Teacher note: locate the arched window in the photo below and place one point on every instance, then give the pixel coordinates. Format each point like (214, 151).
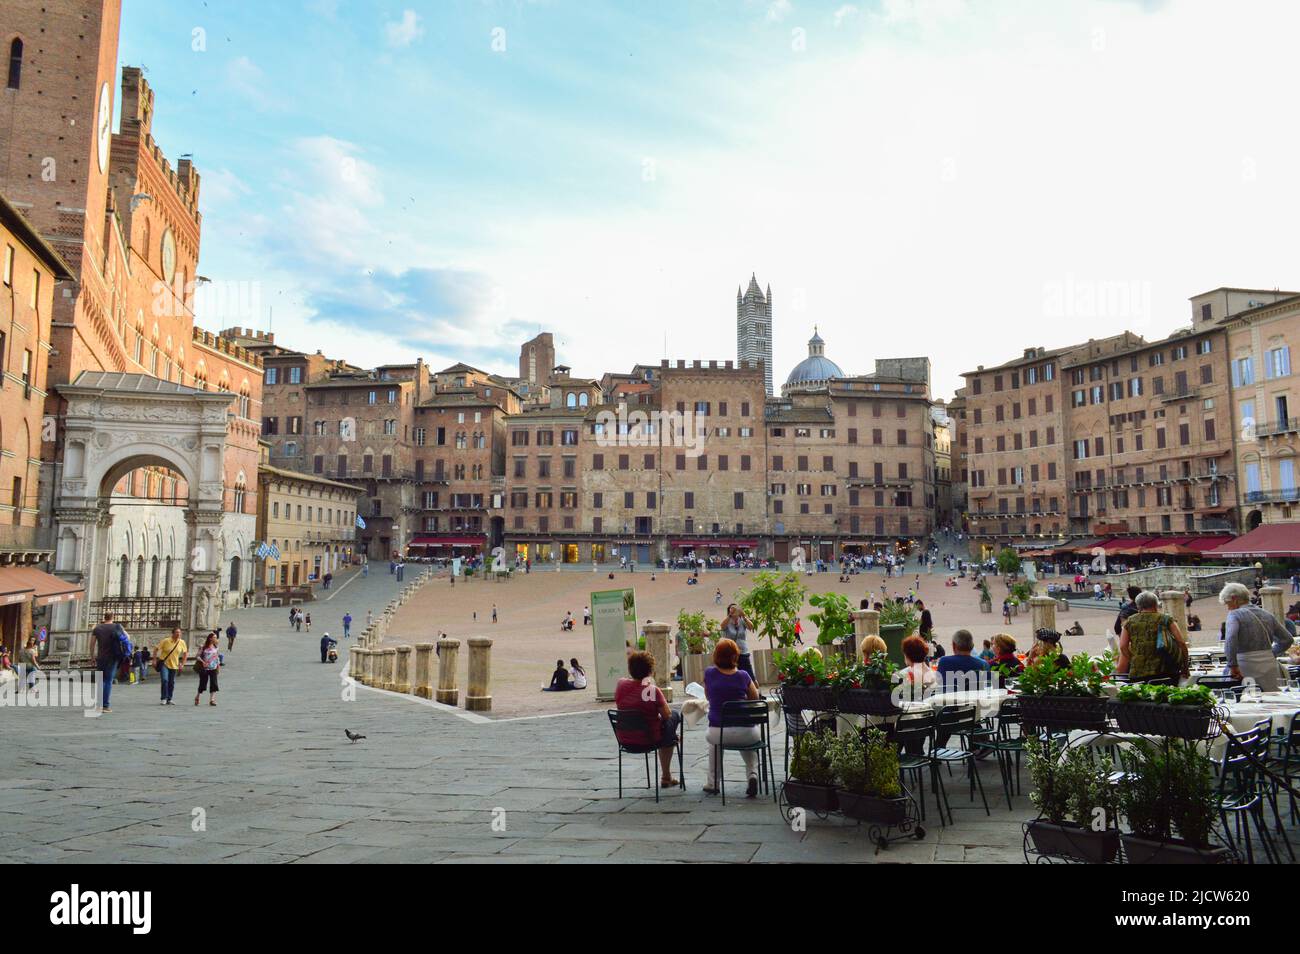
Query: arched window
(239, 493)
(15, 63)
(124, 575)
(571, 400)
(582, 399)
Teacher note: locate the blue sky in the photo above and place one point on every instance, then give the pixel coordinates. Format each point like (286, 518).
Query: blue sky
(913, 176)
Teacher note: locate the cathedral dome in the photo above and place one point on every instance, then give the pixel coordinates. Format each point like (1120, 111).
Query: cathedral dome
(816, 369)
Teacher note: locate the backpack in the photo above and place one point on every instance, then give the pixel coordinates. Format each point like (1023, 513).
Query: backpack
(125, 650)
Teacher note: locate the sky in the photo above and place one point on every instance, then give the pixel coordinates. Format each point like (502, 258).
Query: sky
(445, 179)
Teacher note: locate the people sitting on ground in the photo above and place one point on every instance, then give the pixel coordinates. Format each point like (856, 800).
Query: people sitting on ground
(987, 653)
(566, 624)
(1047, 642)
(725, 682)
(960, 660)
(871, 645)
(1193, 623)
(1004, 655)
(579, 680)
(1152, 646)
(559, 679)
(662, 723)
(692, 581)
(1075, 630)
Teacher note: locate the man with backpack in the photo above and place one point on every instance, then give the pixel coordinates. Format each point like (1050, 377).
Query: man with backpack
(110, 645)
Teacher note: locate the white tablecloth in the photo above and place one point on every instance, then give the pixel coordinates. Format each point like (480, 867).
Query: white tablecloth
(695, 710)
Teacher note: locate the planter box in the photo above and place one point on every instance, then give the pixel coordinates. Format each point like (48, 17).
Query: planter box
(986, 607)
(815, 798)
(874, 808)
(1143, 851)
(1160, 718)
(873, 702)
(1065, 712)
(810, 698)
(764, 667)
(1072, 841)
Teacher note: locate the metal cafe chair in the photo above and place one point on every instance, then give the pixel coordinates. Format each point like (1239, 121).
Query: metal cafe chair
(632, 720)
(746, 713)
(959, 721)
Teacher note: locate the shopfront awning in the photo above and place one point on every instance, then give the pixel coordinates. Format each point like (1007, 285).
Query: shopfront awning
(1205, 544)
(446, 541)
(1272, 539)
(21, 583)
(714, 544)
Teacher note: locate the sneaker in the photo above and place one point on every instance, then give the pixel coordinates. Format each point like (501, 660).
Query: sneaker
(106, 709)
(170, 703)
(162, 702)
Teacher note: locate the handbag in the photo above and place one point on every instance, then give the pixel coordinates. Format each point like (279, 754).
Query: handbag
(1169, 649)
(158, 662)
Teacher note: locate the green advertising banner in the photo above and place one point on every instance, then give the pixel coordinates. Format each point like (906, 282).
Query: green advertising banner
(613, 630)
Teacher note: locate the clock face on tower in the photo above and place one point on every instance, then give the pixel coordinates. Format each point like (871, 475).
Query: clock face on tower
(104, 122)
(168, 256)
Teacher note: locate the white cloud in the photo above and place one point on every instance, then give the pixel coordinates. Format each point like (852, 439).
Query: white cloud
(405, 31)
(846, 12)
(248, 80)
(778, 10)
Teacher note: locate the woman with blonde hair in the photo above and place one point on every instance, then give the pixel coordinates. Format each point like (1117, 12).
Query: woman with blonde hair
(872, 645)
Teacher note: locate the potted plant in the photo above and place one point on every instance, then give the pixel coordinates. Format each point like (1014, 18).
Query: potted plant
(1065, 697)
(865, 766)
(986, 598)
(772, 603)
(804, 682)
(1008, 561)
(1170, 804)
(1178, 712)
(1076, 803)
(869, 691)
(834, 619)
(897, 622)
(811, 784)
(699, 633)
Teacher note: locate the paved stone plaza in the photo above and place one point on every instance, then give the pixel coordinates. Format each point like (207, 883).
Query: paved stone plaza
(278, 781)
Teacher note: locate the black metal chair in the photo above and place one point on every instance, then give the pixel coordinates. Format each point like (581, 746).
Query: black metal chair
(959, 721)
(746, 714)
(633, 720)
(1008, 745)
(913, 732)
(1221, 684)
(1241, 796)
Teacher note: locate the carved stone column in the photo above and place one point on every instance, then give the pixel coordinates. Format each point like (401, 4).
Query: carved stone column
(478, 694)
(656, 642)
(448, 651)
(402, 678)
(1042, 613)
(424, 670)
(388, 680)
(1174, 603)
(1272, 598)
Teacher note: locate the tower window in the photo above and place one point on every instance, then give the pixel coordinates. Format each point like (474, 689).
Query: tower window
(15, 63)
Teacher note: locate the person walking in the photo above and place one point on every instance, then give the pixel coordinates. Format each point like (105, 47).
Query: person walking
(231, 633)
(104, 645)
(347, 625)
(494, 612)
(29, 662)
(736, 627)
(586, 616)
(171, 656)
(208, 665)
(307, 620)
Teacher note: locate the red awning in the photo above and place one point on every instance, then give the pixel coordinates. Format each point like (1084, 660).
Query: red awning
(1272, 539)
(1203, 544)
(446, 541)
(21, 583)
(714, 544)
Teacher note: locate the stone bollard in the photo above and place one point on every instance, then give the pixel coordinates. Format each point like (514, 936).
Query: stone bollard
(1174, 604)
(656, 643)
(865, 623)
(402, 677)
(424, 670)
(366, 672)
(478, 694)
(1271, 598)
(354, 663)
(1042, 613)
(448, 650)
(388, 672)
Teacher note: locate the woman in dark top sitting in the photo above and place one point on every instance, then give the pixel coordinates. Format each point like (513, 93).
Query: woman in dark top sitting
(724, 682)
(559, 678)
(1047, 641)
(1004, 658)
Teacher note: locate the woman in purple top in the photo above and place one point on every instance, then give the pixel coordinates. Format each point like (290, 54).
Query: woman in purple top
(723, 683)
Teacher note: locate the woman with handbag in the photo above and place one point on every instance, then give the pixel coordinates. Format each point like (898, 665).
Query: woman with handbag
(1151, 646)
(168, 661)
(207, 665)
